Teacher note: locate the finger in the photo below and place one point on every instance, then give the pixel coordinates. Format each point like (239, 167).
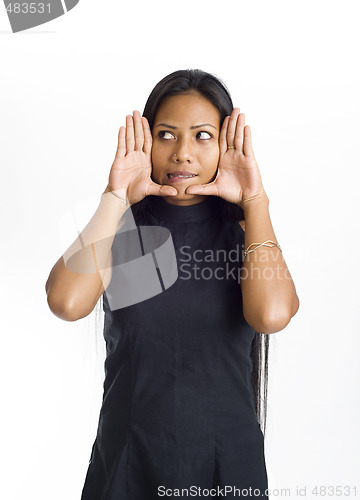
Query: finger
(248, 149)
(129, 134)
(138, 131)
(121, 149)
(232, 126)
(239, 132)
(147, 135)
(161, 190)
(222, 138)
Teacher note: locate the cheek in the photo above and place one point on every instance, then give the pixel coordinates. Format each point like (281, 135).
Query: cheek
(157, 154)
(157, 163)
(154, 156)
(210, 162)
(213, 156)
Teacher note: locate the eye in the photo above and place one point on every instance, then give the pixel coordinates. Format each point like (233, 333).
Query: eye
(209, 136)
(163, 133)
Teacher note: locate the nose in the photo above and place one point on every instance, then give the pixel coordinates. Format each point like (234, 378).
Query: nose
(183, 152)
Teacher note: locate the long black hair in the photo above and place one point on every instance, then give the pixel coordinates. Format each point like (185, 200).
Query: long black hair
(212, 88)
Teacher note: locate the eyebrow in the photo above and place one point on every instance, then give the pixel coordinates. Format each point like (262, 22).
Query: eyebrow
(191, 128)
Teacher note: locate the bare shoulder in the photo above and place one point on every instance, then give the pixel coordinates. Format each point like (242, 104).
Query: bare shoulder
(242, 224)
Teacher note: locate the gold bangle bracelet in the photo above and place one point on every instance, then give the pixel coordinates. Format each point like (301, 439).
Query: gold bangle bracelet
(247, 251)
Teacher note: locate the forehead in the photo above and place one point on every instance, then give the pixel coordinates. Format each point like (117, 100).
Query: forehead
(187, 109)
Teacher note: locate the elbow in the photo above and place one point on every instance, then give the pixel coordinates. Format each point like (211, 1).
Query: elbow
(295, 305)
(268, 324)
(273, 320)
(274, 324)
(61, 309)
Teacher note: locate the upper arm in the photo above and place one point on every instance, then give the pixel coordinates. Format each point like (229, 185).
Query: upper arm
(242, 224)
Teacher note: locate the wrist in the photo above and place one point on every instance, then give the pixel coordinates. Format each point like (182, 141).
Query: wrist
(121, 197)
(256, 201)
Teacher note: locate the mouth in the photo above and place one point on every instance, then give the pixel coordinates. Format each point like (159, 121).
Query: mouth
(179, 176)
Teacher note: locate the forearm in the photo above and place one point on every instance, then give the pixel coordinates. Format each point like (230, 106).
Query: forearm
(79, 276)
(269, 295)
(98, 235)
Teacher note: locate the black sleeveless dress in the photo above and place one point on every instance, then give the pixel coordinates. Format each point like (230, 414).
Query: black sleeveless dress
(178, 406)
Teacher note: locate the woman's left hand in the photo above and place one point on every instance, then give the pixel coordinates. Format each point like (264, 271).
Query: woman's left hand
(238, 177)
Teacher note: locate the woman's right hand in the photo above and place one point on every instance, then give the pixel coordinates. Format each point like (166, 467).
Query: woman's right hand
(130, 174)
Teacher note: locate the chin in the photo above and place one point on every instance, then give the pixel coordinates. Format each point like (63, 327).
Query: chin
(184, 196)
(185, 199)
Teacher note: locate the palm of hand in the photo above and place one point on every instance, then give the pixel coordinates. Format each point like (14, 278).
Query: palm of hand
(131, 171)
(238, 177)
(130, 175)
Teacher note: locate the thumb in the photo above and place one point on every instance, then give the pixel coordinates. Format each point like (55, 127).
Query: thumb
(161, 190)
(204, 189)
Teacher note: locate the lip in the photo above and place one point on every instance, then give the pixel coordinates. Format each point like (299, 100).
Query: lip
(179, 179)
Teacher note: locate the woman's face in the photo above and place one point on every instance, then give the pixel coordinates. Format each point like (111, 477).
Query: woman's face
(185, 140)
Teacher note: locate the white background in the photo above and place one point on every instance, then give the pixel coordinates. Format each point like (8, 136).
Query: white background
(65, 89)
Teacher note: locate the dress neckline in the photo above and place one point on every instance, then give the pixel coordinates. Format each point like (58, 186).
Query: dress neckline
(208, 208)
